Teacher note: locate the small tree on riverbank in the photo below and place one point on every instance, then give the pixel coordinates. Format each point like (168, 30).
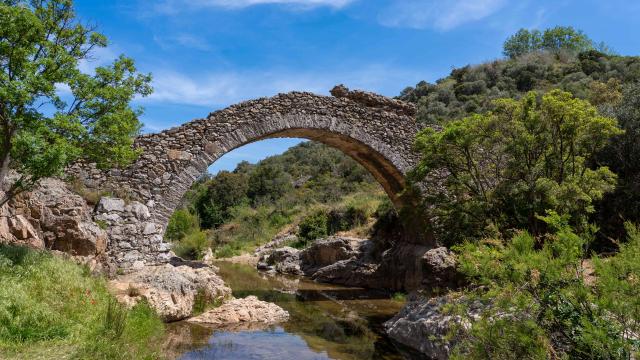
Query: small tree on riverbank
(51, 113)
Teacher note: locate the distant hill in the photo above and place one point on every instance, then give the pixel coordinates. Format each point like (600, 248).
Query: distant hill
(470, 89)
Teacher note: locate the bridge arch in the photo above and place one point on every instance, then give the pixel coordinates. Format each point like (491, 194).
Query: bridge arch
(377, 132)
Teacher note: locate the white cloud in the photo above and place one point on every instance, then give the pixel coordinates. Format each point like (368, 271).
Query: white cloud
(223, 89)
(438, 14)
(173, 6)
(100, 56)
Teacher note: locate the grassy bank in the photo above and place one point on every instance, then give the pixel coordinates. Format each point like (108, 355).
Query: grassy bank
(51, 308)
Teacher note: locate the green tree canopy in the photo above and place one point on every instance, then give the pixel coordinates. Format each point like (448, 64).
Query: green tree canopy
(526, 157)
(41, 45)
(553, 39)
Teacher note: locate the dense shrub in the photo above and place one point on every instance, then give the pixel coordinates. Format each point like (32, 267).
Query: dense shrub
(540, 304)
(193, 245)
(313, 226)
(180, 224)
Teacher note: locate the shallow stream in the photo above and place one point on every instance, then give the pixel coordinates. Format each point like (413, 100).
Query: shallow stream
(326, 322)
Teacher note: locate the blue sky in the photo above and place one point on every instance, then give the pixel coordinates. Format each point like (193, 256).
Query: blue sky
(207, 54)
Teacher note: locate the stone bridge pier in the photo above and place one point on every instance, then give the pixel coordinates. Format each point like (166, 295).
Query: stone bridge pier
(376, 131)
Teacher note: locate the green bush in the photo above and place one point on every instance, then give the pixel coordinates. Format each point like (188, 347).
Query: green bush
(180, 224)
(313, 226)
(513, 163)
(193, 245)
(539, 302)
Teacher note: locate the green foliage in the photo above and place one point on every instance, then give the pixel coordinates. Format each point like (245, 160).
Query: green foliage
(268, 183)
(313, 226)
(115, 319)
(553, 39)
(622, 156)
(224, 191)
(472, 89)
(509, 165)
(203, 302)
(41, 44)
(193, 245)
(53, 306)
(181, 223)
(539, 302)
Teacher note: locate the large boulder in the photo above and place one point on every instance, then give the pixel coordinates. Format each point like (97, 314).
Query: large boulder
(424, 324)
(324, 252)
(249, 310)
(52, 216)
(285, 260)
(439, 269)
(170, 290)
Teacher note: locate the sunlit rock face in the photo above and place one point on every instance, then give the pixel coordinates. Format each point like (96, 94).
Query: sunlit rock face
(52, 216)
(377, 132)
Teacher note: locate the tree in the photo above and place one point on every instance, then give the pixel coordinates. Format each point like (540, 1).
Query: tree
(621, 155)
(51, 113)
(526, 157)
(553, 39)
(268, 183)
(522, 42)
(224, 191)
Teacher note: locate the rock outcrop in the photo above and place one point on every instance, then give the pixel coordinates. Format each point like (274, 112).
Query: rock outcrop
(439, 269)
(324, 252)
(170, 290)
(275, 243)
(364, 263)
(285, 260)
(249, 310)
(53, 217)
(424, 325)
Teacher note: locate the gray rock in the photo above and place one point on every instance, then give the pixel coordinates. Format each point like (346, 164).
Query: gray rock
(247, 311)
(149, 229)
(108, 204)
(170, 290)
(140, 211)
(440, 269)
(424, 326)
(324, 252)
(285, 260)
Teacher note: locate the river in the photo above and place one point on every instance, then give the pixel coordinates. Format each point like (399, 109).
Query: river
(326, 322)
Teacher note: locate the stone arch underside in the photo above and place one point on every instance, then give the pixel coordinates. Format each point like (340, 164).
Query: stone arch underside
(376, 135)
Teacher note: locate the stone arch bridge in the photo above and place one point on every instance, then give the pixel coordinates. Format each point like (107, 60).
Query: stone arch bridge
(376, 131)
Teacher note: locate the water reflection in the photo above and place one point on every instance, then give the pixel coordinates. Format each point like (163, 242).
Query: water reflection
(327, 322)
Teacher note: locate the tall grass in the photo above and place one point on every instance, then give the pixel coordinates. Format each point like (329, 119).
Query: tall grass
(53, 308)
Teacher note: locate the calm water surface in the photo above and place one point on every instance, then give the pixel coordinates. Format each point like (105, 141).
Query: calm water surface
(327, 322)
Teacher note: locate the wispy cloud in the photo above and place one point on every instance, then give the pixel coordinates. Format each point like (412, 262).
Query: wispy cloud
(438, 14)
(222, 89)
(173, 6)
(184, 40)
